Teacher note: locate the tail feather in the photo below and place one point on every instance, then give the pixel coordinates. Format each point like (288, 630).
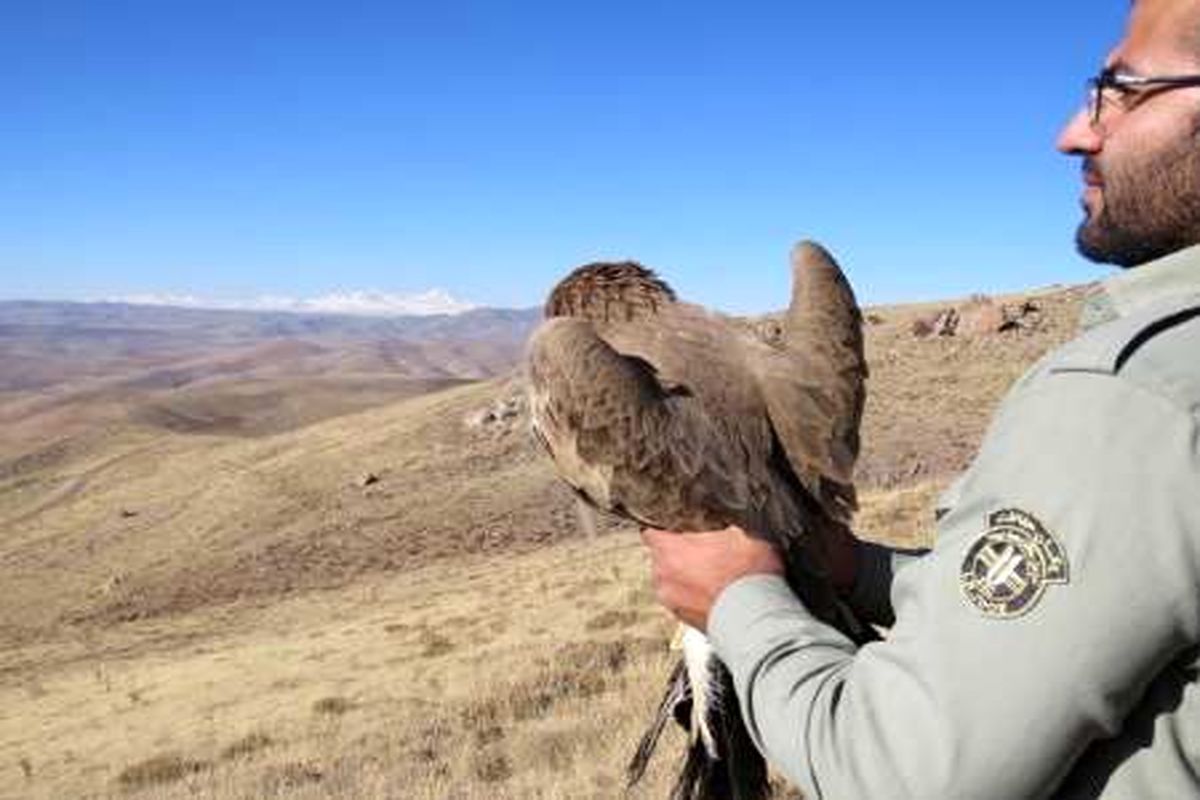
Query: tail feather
(744, 765)
(677, 696)
(738, 773)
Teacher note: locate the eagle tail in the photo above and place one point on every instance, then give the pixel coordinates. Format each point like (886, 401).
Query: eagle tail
(736, 771)
(739, 771)
(676, 700)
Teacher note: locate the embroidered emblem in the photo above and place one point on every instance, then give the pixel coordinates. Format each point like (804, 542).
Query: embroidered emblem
(1008, 568)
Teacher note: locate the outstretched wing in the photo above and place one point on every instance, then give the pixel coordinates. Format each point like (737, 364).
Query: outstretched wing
(624, 440)
(814, 389)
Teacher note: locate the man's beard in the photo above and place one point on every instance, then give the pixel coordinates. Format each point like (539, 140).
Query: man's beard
(1151, 207)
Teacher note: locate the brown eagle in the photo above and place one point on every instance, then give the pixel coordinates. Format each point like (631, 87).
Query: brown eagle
(679, 418)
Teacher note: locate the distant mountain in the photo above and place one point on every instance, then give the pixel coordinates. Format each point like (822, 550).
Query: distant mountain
(43, 344)
(235, 323)
(369, 303)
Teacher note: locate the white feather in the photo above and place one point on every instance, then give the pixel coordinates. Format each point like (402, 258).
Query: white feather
(697, 658)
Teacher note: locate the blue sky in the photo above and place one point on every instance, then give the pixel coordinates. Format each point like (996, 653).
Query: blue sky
(231, 149)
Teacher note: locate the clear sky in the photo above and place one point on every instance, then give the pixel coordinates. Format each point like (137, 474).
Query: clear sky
(231, 149)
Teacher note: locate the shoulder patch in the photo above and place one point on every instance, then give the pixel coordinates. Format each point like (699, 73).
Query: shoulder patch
(1007, 569)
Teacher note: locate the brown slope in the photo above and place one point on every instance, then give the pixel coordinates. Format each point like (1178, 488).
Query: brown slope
(266, 387)
(929, 398)
(135, 520)
(150, 522)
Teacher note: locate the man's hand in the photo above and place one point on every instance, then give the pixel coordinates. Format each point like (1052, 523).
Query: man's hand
(691, 569)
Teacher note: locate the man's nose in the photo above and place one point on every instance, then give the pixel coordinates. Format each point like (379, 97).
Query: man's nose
(1079, 136)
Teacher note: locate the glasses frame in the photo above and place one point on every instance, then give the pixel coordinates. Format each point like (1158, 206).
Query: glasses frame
(1124, 83)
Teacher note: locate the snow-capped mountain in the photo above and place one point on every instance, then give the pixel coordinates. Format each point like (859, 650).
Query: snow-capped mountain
(366, 303)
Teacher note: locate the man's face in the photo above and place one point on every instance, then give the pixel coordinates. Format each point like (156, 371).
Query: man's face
(1141, 163)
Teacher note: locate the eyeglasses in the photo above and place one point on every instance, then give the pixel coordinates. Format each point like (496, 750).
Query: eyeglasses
(1111, 87)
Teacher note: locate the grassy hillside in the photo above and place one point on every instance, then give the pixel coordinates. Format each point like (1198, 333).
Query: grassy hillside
(144, 521)
(389, 599)
(510, 676)
(523, 678)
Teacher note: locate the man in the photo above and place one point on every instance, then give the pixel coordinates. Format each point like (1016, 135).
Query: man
(1047, 645)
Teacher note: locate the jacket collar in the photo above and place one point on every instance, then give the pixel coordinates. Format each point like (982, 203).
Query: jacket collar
(1149, 284)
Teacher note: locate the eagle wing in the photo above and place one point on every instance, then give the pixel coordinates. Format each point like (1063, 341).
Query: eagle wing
(628, 439)
(814, 389)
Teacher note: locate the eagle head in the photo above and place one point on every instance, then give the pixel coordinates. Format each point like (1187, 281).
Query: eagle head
(609, 291)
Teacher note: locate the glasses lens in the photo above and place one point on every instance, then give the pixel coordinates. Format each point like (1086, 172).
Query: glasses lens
(1103, 81)
(1093, 100)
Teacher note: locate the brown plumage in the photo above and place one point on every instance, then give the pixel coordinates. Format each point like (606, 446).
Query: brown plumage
(677, 418)
(609, 292)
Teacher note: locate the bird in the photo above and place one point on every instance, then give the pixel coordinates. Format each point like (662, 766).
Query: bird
(676, 417)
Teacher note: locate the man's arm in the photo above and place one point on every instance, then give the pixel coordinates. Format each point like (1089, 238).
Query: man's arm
(1020, 638)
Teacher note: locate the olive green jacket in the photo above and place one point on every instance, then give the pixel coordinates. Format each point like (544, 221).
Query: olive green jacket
(1047, 645)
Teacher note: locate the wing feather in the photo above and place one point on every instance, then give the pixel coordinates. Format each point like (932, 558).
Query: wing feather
(814, 389)
(630, 444)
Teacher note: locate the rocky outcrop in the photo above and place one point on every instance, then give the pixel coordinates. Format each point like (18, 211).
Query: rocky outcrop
(979, 316)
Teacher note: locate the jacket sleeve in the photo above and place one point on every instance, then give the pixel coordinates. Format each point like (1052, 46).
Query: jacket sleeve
(1003, 665)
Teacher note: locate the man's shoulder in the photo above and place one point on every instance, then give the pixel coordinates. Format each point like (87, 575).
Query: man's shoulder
(1157, 348)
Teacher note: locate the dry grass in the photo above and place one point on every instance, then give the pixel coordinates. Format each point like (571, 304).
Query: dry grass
(900, 517)
(930, 399)
(246, 747)
(518, 676)
(233, 519)
(162, 769)
(339, 694)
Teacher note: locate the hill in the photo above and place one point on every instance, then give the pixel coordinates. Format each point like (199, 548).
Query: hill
(73, 368)
(49, 343)
(212, 592)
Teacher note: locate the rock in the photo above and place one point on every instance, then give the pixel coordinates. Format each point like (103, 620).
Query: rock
(944, 323)
(507, 409)
(478, 418)
(981, 316)
(504, 410)
(368, 479)
(1026, 316)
